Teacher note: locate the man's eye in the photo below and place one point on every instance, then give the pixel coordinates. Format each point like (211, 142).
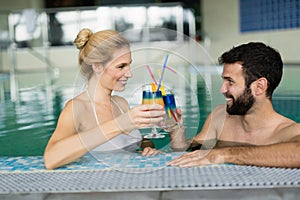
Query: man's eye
(230, 81)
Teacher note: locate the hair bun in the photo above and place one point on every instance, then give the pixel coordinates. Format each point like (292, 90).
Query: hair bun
(82, 38)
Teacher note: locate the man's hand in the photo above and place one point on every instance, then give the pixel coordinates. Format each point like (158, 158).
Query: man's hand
(177, 134)
(198, 158)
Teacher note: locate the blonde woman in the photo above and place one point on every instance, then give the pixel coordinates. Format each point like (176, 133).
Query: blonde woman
(95, 120)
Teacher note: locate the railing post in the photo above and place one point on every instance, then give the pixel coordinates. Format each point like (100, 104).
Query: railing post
(14, 87)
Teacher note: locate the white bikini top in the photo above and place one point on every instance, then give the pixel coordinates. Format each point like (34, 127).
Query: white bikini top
(122, 142)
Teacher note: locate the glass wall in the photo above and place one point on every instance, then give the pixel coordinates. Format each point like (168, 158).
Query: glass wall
(62, 25)
(32, 40)
(4, 32)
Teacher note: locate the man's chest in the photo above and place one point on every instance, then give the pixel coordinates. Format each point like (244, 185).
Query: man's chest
(236, 133)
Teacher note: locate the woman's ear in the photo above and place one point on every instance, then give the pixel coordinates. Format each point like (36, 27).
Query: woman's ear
(98, 68)
(261, 86)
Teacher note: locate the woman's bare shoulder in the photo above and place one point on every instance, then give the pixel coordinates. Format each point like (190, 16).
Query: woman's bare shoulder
(77, 103)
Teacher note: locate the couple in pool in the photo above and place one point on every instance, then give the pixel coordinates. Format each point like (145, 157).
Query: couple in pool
(246, 130)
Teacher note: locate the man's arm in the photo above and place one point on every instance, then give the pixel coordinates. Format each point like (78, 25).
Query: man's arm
(275, 155)
(206, 138)
(283, 154)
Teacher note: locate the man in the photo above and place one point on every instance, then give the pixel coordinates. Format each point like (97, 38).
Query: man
(247, 130)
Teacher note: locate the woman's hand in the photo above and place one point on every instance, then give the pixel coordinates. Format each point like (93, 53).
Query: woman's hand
(148, 151)
(141, 116)
(147, 115)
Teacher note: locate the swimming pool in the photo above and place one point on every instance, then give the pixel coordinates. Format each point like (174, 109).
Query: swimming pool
(26, 126)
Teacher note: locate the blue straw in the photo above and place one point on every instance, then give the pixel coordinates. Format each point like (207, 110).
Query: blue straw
(163, 72)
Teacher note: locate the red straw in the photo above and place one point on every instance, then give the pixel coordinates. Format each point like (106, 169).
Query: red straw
(171, 69)
(173, 115)
(151, 74)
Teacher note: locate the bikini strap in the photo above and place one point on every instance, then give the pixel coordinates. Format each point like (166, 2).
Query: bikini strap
(117, 104)
(94, 109)
(119, 107)
(93, 106)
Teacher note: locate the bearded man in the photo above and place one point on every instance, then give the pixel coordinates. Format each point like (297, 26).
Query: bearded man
(247, 130)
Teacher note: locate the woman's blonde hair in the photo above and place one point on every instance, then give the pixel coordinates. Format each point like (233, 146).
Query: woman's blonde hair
(97, 48)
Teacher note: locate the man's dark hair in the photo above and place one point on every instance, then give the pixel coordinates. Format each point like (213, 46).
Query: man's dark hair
(258, 60)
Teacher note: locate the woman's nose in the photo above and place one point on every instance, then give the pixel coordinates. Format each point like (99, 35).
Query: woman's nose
(128, 74)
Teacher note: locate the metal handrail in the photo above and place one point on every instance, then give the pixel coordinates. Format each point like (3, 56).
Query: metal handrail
(44, 13)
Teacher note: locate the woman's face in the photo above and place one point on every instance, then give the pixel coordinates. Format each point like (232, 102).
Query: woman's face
(117, 71)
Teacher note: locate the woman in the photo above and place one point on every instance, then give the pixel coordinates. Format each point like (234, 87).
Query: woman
(95, 120)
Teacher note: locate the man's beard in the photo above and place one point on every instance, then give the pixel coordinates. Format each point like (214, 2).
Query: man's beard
(242, 104)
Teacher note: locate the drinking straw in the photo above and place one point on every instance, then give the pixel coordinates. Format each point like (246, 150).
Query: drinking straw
(163, 72)
(171, 69)
(174, 116)
(169, 112)
(153, 87)
(162, 88)
(151, 74)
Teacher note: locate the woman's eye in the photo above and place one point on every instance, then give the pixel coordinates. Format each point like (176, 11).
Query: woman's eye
(121, 66)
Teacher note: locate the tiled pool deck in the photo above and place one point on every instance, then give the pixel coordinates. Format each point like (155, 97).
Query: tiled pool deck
(131, 176)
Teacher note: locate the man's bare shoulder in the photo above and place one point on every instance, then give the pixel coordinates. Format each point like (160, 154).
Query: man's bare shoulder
(289, 130)
(220, 108)
(217, 118)
(219, 112)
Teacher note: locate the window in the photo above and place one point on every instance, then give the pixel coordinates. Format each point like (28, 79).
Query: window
(262, 15)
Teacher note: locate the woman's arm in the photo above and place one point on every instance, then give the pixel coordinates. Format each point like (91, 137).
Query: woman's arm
(66, 145)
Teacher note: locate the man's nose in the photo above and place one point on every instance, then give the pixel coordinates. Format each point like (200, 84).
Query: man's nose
(223, 88)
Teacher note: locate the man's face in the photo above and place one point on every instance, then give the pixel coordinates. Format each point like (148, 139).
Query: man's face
(239, 99)
(241, 104)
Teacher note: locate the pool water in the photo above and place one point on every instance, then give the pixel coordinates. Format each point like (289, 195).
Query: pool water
(26, 125)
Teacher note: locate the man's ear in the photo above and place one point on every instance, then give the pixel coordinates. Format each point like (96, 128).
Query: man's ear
(261, 86)
(98, 68)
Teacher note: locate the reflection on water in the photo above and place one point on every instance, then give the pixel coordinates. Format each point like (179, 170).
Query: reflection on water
(25, 127)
